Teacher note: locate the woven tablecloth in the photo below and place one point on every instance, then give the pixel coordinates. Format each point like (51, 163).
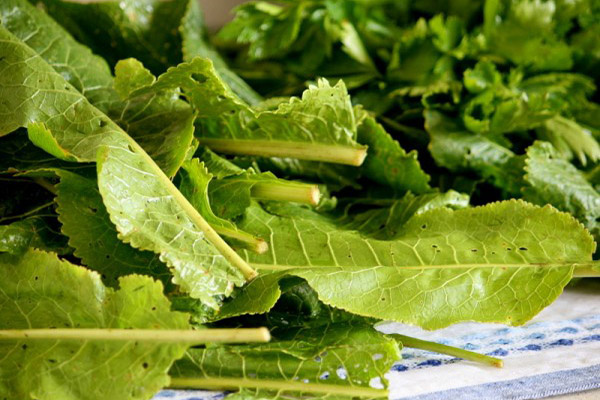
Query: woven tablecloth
(558, 352)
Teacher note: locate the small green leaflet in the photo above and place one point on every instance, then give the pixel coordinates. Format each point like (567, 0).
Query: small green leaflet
(387, 163)
(159, 121)
(233, 190)
(194, 181)
(502, 262)
(384, 223)
(40, 291)
(459, 150)
(553, 180)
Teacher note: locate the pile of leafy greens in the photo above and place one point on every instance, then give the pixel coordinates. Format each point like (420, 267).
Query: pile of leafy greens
(315, 167)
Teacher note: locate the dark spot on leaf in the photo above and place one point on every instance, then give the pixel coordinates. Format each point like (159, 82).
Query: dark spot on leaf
(424, 226)
(474, 250)
(36, 278)
(102, 123)
(52, 361)
(200, 78)
(153, 308)
(94, 210)
(523, 248)
(145, 365)
(107, 256)
(434, 246)
(508, 249)
(24, 347)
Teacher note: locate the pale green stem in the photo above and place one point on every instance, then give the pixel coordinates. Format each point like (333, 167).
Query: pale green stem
(250, 242)
(408, 341)
(212, 236)
(290, 386)
(45, 184)
(289, 191)
(238, 335)
(303, 151)
(28, 213)
(587, 271)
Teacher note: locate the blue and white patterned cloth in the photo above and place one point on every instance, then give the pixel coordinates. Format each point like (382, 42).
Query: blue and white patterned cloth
(556, 353)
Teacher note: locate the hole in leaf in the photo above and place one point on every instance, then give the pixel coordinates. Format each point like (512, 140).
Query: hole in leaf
(200, 78)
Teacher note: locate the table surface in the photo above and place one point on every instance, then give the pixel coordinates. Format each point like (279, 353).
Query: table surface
(557, 353)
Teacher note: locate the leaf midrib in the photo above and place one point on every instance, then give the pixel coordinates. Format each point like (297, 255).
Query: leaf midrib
(574, 264)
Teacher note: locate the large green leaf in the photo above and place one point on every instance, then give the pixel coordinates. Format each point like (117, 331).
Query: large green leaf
(147, 209)
(144, 29)
(159, 121)
(86, 72)
(502, 262)
(319, 126)
(194, 43)
(40, 291)
(157, 32)
(87, 224)
(332, 361)
(552, 179)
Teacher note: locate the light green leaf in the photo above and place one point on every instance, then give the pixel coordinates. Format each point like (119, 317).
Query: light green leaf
(502, 262)
(553, 180)
(331, 361)
(387, 163)
(159, 121)
(76, 126)
(570, 139)
(87, 224)
(86, 72)
(320, 126)
(147, 209)
(40, 291)
(151, 214)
